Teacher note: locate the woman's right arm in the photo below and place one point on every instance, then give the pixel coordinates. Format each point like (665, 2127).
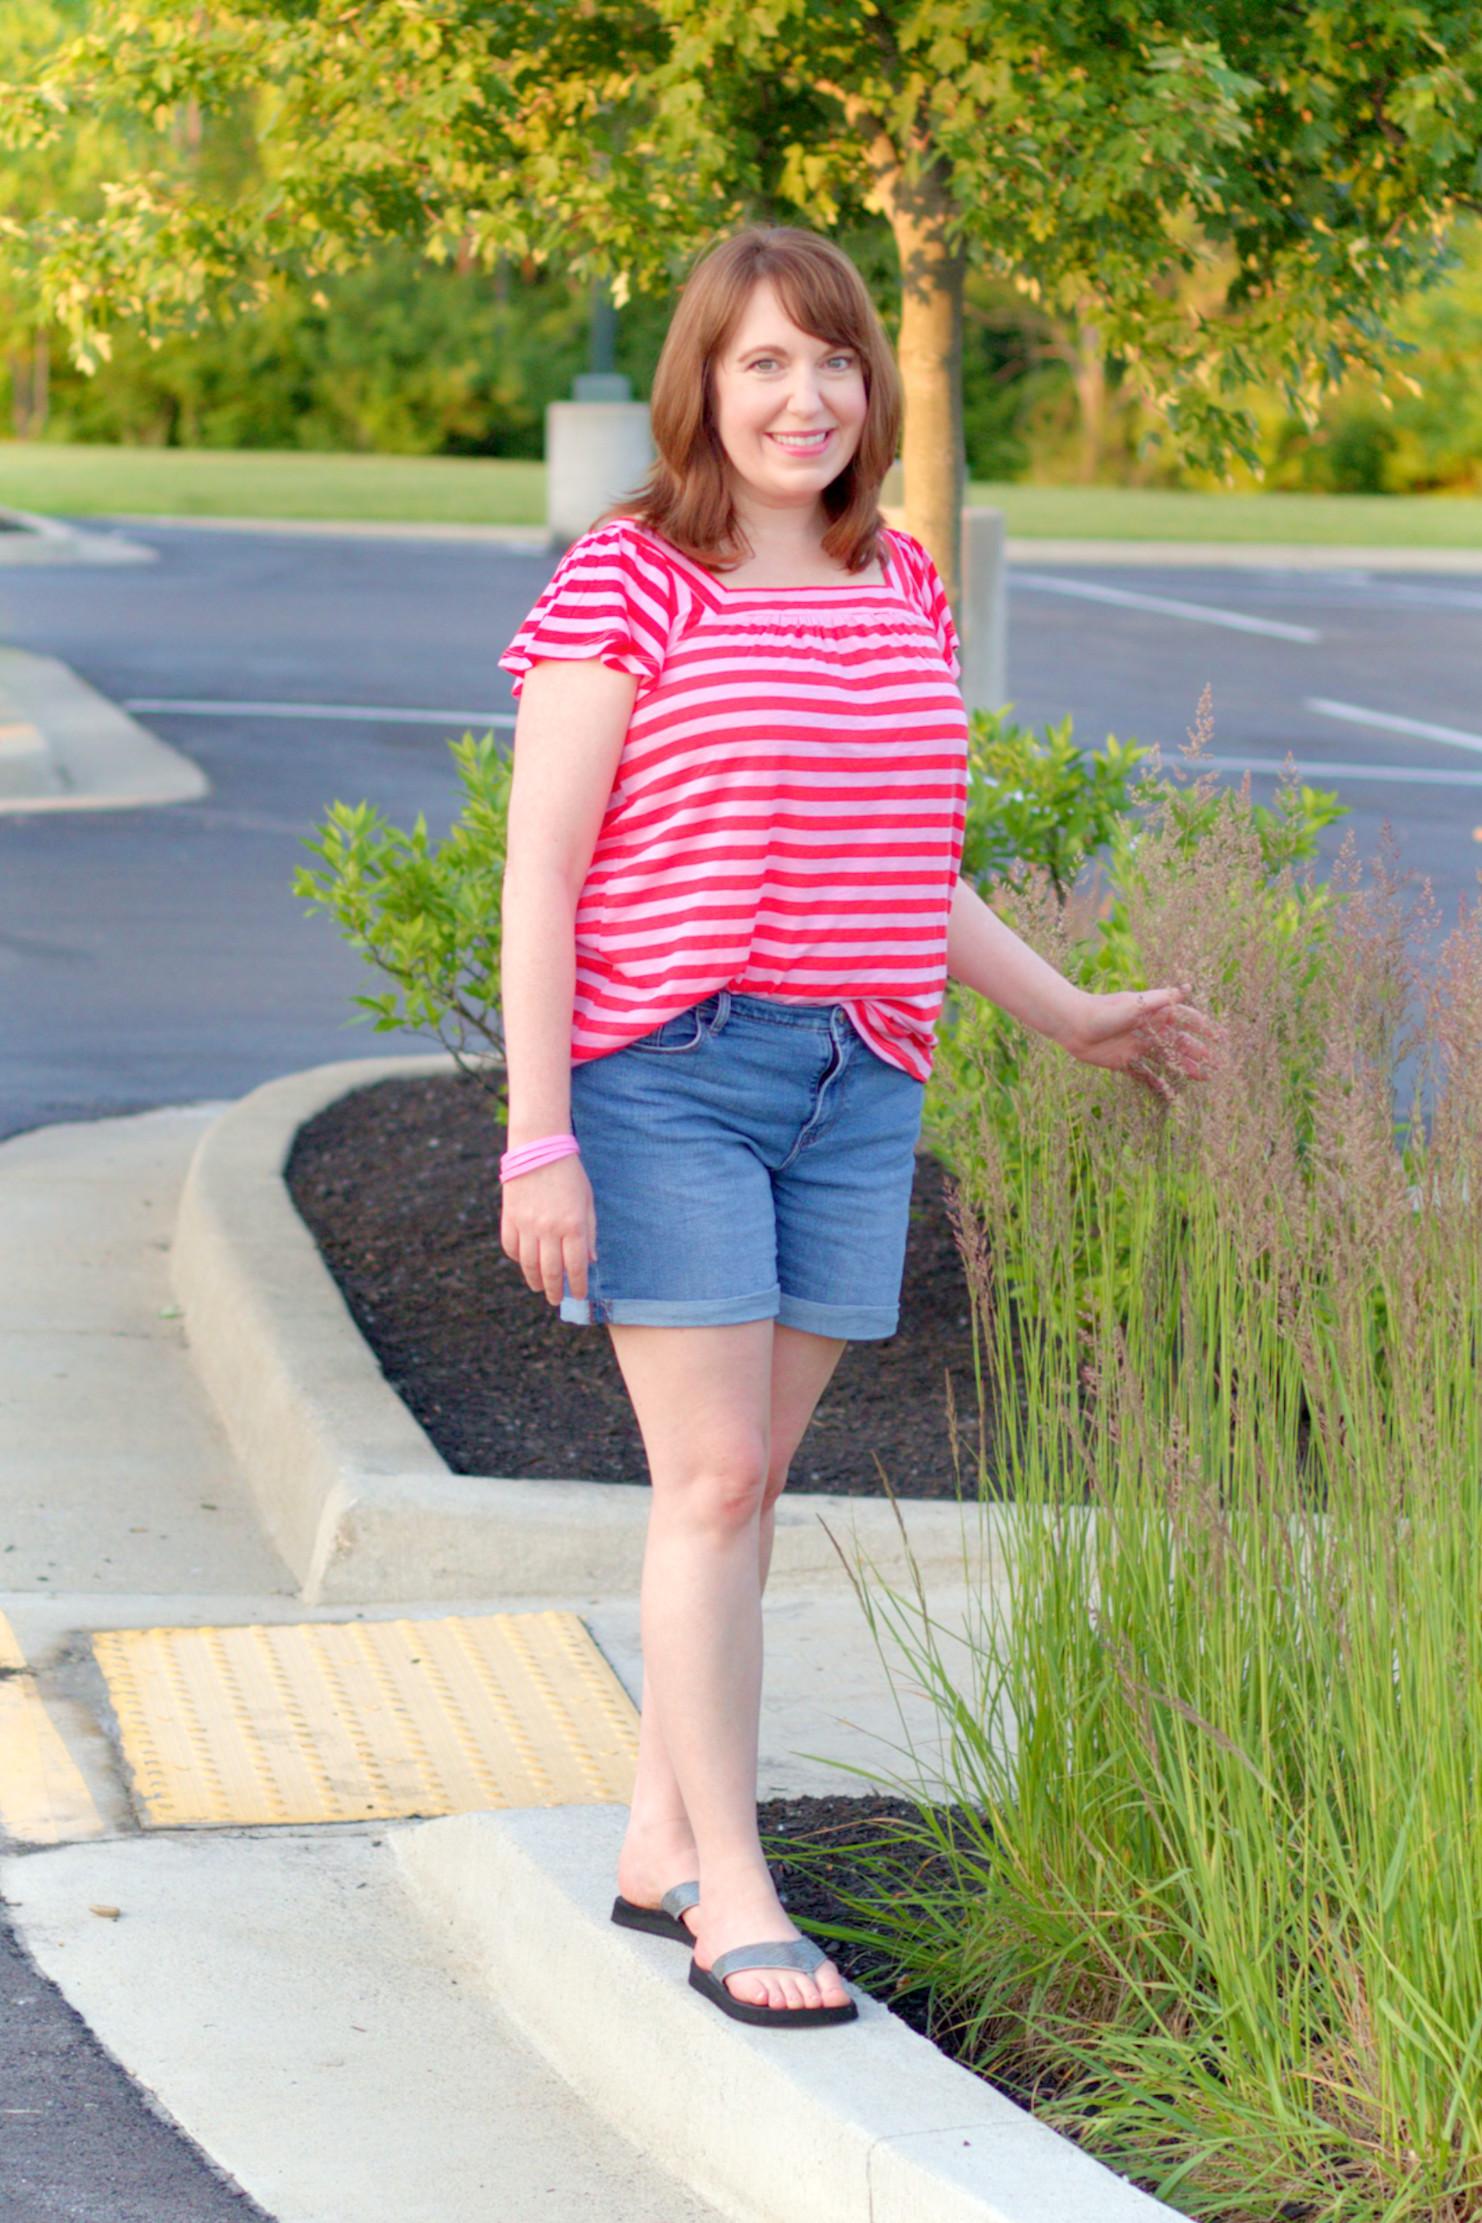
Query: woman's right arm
(572, 720)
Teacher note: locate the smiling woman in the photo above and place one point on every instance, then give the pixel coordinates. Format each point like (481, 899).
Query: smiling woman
(730, 906)
(775, 367)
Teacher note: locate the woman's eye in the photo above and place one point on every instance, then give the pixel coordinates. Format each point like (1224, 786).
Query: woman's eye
(841, 362)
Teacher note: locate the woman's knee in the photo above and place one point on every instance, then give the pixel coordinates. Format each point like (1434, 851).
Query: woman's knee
(725, 1490)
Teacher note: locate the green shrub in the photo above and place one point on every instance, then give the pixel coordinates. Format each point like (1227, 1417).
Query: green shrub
(424, 915)
(1040, 803)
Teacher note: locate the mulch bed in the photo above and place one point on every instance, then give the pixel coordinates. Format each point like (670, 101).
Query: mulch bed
(398, 1185)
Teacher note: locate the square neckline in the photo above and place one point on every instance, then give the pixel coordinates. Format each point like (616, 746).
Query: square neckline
(716, 584)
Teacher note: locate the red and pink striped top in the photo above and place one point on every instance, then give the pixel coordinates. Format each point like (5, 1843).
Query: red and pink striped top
(787, 815)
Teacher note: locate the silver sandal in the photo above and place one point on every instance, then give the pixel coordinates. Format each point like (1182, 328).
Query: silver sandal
(799, 1953)
(662, 1920)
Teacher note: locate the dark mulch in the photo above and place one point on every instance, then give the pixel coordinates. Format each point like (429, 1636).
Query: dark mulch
(398, 1185)
(835, 1858)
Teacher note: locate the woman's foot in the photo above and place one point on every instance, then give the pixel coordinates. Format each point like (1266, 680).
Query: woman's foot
(652, 1861)
(750, 1913)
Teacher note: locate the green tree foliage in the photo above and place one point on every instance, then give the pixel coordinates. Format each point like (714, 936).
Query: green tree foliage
(42, 169)
(1300, 158)
(1421, 428)
(398, 357)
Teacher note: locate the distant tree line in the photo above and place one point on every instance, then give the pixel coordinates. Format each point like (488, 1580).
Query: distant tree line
(401, 357)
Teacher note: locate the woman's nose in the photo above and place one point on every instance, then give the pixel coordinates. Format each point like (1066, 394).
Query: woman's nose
(803, 399)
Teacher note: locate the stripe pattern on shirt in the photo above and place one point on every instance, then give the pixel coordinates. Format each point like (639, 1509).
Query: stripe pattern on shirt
(787, 816)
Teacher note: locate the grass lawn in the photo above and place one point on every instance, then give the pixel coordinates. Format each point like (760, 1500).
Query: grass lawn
(1333, 520)
(475, 490)
(261, 482)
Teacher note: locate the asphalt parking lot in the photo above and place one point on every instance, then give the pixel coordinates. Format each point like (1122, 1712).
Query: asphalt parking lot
(155, 957)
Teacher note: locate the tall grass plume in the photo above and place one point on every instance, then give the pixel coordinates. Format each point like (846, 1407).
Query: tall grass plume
(1220, 1717)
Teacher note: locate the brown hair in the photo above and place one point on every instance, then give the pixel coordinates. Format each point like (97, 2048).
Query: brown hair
(687, 496)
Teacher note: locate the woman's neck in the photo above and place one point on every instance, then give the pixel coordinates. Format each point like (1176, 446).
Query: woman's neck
(786, 543)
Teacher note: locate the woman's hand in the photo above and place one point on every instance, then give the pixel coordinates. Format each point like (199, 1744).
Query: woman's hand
(1153, 1034)
(549, 1227)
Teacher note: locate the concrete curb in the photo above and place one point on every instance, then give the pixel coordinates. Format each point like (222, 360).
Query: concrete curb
(352, 1491)
(26, 539)
(65, 747)
(863, 2124)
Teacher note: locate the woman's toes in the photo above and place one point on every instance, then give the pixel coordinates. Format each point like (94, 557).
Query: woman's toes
(785, 1988)
(752, 1989)
(831, 1986)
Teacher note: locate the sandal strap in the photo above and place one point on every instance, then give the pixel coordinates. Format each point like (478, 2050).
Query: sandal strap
(682, 1896)
(799, 1953)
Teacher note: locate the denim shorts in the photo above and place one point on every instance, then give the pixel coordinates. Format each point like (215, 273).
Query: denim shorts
(750, 1160)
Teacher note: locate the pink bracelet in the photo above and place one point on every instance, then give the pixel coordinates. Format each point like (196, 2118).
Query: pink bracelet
(531, 1156)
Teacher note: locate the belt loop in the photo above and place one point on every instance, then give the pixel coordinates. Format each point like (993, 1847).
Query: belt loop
(722, 1011)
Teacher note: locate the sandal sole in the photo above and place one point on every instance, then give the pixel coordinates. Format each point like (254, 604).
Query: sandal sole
(653, 1921)
(785, 2018)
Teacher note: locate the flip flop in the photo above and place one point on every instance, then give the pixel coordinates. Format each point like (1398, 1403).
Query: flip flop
(798, 1953)
(662, 1920)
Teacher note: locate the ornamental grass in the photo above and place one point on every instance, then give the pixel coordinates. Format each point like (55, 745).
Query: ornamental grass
(1203, 1881)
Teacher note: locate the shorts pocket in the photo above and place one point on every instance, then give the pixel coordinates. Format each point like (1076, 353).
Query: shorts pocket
(685, 1031)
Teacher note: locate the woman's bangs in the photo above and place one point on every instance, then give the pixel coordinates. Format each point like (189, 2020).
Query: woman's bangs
(819, 303)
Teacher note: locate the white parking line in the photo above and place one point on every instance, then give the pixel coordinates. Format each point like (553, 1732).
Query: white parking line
(1387, 722)
(1318, 768)
(1199, 613)
(351, 712)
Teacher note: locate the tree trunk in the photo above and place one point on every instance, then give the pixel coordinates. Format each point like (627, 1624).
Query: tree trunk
(931, 373)
(919, 212)
(1088, 369)
(30, 388)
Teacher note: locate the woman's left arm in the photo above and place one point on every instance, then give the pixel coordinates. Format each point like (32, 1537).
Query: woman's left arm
(1118, 1031)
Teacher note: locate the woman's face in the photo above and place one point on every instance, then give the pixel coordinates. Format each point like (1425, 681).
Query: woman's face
(789, 407)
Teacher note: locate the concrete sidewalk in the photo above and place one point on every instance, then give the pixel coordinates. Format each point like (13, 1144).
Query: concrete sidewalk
(275, 1991)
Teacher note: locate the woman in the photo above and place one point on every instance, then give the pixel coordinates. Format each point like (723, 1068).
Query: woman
(730, 908)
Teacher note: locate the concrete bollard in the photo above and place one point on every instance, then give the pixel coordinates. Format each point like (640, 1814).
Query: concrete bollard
(984, 610)
(595, 452)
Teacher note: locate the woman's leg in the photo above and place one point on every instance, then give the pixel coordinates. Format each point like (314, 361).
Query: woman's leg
(660, 1847)
(802, 1367)
(712, 1403)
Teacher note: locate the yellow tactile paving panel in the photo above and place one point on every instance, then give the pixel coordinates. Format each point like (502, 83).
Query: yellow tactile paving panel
(350, 1721)
(43, 1798)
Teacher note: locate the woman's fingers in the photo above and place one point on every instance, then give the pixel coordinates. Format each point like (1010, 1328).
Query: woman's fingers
(1185, 1036)
(548, 1227)
(574, 1254)
(1154, 1035)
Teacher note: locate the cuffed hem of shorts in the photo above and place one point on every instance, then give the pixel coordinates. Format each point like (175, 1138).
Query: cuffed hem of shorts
(854, 1323)
(671, 1312)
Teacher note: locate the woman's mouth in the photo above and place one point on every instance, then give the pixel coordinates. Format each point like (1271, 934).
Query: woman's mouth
(803, 443)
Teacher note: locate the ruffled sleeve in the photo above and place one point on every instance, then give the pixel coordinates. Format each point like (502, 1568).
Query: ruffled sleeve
(923, 586)
(612, 601)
